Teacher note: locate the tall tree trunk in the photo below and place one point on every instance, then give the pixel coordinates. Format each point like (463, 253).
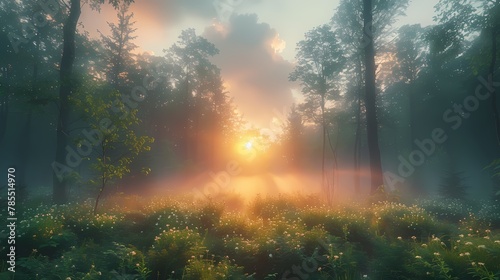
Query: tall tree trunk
(357, 139)
(4, 104)
(357, 149)
(66, 87)
(491, 73)
(370, 100)
(323, 124)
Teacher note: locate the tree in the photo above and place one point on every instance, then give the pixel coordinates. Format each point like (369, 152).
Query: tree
(356, 36)
(458, 21)
(292, 139)
(452, 186)
(112, 153)
(319, 61)
(119, 46)
(200, 84)
(370, 100)
(67, 87)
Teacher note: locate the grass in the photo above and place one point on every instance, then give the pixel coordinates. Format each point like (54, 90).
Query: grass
(276, 237)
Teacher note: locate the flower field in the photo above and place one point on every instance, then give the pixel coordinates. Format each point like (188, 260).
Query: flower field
(279, 237)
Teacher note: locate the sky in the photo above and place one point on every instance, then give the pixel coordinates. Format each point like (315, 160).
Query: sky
(256, 39)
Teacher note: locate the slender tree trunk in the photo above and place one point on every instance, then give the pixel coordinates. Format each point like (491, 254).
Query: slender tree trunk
(4, 104)
(66, 87)
(103, 180)
(370, 100)
(357, 148)
(323, 124)
(491, 77)
(357, 139)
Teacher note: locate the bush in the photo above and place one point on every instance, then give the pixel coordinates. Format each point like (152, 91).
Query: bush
(171, 251)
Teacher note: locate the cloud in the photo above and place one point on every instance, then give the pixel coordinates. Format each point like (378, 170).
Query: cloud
(253, 69)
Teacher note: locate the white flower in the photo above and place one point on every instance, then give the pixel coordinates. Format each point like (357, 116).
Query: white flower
(481, 247)
(418, 257)
(400, 238)
(436, 254)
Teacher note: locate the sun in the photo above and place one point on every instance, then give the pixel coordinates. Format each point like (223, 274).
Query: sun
(248, 145)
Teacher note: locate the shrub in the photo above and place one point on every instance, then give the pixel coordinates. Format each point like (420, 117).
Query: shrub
(171, 251)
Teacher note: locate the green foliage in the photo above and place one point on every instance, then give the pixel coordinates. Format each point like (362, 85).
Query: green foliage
(209, 269)
(113, 122)
(398, 220)
(185, 240)
(447, 209)
(171, 251)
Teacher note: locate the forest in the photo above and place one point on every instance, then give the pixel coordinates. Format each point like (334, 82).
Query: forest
(190, 139)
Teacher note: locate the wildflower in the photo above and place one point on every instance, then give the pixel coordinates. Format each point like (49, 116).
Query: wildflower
(336, 257)
(400, 238)
(486, 237)
(133, 253)
(436, 254)
(414, 237)
(424, 245)
(497, 241)
(418, 257)
(270, 255)
(461, 254)
(467, 253)
(480, 263)
(473, 263)
(68, 278)
(481, 247)
(461, 236)
(468, 243)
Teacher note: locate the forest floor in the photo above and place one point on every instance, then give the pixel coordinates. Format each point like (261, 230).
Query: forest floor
(276, 237)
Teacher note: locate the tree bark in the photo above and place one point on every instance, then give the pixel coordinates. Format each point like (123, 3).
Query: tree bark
(66, 87)
(491, 77)
(357, 139)
(370, 100)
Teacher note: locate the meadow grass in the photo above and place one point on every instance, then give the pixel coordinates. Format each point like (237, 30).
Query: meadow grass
(269, 237)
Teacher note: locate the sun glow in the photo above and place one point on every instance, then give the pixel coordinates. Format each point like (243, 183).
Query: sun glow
(248, 145)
